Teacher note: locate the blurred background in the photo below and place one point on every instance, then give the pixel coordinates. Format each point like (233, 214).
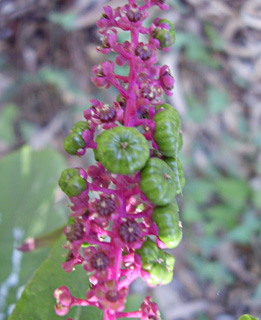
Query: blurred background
(47, 51)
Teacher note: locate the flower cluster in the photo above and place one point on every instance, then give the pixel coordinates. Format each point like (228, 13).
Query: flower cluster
(124, 211)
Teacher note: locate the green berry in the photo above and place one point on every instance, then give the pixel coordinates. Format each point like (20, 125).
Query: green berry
(171, 27)
(158, 182)
(74, 141)
(167, 221)
(122, 150)
(71, 183)
(176, 166)
(167, 132)
(157, 263)
(165, 38)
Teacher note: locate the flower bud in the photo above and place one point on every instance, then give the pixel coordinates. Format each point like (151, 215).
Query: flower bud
(134, 15)
(164, 36)
(143, 51)
(164, 32)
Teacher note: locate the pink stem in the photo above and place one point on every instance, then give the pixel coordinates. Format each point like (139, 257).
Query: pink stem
(116, 84)
(133, 314)
(122, 78)
(108, 316)
(84, 303)
(93, 187)
(130, 109)
(117, 268)
(130, 277)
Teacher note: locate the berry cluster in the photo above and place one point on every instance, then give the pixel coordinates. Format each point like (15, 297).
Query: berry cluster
(123, 208)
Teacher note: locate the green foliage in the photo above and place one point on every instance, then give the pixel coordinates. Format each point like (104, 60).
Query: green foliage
(249, 227)
(7, 118)
(37, 300)
(27, 184)
(65, 20)
(63, 81)
(216, 41)
(213, 271)
(133, 303)
(195, 49)
(217, 100)
(232, 191)
(218, 207)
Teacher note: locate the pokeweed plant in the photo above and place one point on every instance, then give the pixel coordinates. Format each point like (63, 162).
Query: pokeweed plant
(123, 211)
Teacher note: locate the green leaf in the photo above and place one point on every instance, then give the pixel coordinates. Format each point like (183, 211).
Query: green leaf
(191, 213)
(65, 20)
(217, 99)
(64, 81)
(199, 190)
(28, 182)
(210, 270)
(7, 117)
(233, 191)
(133, 303)
(217, 43)
(257, 294)
(37, 301)
(196, 112)
(220, 217)
(195, 49)
(244, 232)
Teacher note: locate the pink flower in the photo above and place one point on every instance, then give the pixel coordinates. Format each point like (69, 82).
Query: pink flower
(99, 262)
(109, 41)
(75, 235)
(108, 295)
(64, 300)
(103, 72)
(104, 115)
(129, 233)
(159, 3)
(99, 176)
(149, 310)
(71, 262)
(166, 80)
(104, 209)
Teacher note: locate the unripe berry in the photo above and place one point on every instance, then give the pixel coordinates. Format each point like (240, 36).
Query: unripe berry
(72, 183)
